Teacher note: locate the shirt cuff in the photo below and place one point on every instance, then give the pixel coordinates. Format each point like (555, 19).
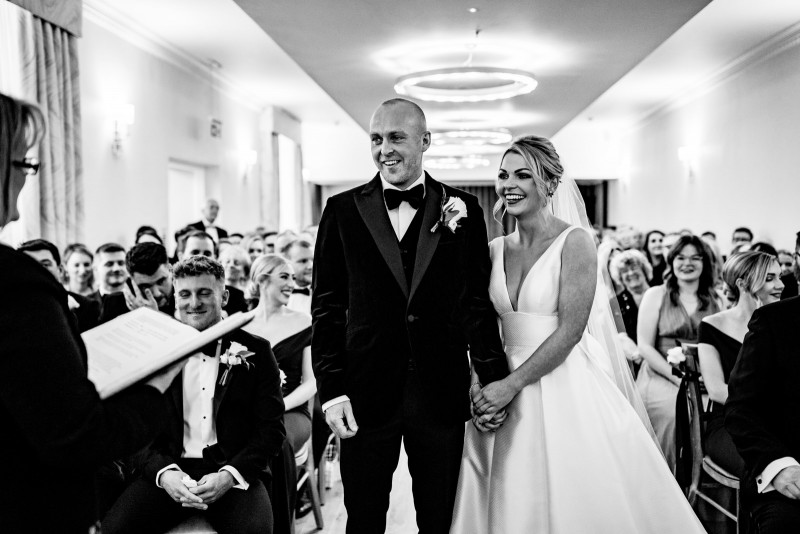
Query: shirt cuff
(242, 483)
(170, 467)
(338, 400)
(765, 478)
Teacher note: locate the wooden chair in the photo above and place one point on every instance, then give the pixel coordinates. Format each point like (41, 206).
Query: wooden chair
(307, 475)
(702, 464)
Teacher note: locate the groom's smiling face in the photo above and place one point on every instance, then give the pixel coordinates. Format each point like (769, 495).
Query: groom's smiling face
(399, 136)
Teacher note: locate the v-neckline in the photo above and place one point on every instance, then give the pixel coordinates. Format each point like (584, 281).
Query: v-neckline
(524, 279)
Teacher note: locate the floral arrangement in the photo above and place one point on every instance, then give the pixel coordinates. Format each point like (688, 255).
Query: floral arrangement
(236, 354)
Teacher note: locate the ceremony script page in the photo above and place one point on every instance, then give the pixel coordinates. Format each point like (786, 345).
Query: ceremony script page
(140, 343)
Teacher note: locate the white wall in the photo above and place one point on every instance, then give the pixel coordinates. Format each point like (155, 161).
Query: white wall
(745, 135)
(173, 107)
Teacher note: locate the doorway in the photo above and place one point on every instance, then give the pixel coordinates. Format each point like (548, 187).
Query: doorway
(186, 192)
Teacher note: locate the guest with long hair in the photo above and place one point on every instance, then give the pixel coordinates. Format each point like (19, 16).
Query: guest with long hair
(78, 272)
(654, 251)
(670, 315)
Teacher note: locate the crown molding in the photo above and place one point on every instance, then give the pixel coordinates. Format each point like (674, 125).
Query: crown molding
(777, 44)
(99, 13)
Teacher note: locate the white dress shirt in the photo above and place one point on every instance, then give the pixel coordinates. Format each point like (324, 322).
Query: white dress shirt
(764, 480)
(401, 218)
(211, 230)
(300, 302)
(199, 426)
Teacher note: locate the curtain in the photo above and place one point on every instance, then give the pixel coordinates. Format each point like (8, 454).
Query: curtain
(39, 63)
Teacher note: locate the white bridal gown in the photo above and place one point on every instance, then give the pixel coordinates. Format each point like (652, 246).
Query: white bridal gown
(572, 457)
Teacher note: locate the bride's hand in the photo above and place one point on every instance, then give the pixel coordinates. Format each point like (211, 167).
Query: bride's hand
(494, 397)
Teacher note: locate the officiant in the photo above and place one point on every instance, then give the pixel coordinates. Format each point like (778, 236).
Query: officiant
(56, 430)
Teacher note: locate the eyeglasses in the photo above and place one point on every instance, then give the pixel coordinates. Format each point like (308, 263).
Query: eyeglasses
(29, 166)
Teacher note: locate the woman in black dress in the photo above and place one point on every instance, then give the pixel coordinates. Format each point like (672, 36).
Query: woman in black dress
(753, 279)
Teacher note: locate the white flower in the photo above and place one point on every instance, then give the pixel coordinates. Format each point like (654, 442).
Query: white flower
(234, 360)
(675, 355)
(236, 347)
(223, 358)
(283, 377)
(454, 210)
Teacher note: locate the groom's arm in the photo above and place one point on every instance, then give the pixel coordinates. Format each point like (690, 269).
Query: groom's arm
(329, 302)
(483, 334)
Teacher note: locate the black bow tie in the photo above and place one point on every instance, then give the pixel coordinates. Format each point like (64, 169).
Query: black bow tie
(302, 291)
(413, 196)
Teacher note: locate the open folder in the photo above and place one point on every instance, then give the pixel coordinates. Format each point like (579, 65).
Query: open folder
(142, 342)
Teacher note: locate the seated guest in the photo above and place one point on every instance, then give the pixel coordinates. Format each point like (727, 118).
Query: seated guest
(741, 236)
(197, 243)
(109, 269)
(79, 276)
(222, 428)
(786, 261)
(149, 268)
(237, 267)
(301, 255)
(791, 281)
(85, 310)
(289, 332)
(628, 237)
(753, 279)
(147, 234)
(253, 244)
(269, 237)
(654, 249)
(761, 415)
(630, 270)
(669, 315)
(235, 238)
(55, 427)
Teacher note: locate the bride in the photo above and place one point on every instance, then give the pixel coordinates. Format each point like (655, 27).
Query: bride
(575, 453)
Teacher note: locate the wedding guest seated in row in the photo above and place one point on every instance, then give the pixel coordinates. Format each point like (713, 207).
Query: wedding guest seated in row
(630, 270)
(78, 273)
(110, 271)
(223, 426)
(198, 243)
(151, 286)
(791, 281)
(283, 239)
(301, 255)
(761, 415)
(85, 310)
(629, 237)
(669, 315)
(235, 238)
(253, 244)
(753, 279)
(741, 236)
(236, 263)
(269, 241)
(654, 250)
(289, 332)
(147, 234)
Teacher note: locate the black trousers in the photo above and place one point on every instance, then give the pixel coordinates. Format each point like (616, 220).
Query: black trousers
(775, 514)
(144, 507)
(370, 457)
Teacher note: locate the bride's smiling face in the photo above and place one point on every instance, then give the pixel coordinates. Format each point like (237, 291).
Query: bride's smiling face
(516, 186)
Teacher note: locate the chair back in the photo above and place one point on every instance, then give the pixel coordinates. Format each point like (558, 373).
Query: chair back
(690, 418)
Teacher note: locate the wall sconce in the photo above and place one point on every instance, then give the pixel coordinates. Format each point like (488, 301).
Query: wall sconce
(123, 115)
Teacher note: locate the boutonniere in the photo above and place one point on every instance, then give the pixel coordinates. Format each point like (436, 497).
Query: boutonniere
(452, 211)
(236, 354)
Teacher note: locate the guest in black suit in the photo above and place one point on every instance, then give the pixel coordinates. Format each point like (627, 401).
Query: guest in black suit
(791, 280)
(56, 430)
(86, 311)
(762, 417)
(206, 224)
(150, 273)
(223, 425)
(397, 302)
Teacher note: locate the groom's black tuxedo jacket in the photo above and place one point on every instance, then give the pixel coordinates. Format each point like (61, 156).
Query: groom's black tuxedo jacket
(369, 323)
(762, 413)
(248, 411)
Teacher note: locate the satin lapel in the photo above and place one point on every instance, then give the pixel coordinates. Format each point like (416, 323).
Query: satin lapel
(428, 240)
(219, 391)
(372, 209)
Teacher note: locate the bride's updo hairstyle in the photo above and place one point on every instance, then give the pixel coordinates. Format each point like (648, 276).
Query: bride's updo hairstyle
(541, 157)
(264, 266)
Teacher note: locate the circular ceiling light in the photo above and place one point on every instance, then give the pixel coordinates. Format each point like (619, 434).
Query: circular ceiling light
(466, 84)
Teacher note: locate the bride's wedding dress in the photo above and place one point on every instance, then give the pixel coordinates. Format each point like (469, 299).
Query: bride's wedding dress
(572, 457)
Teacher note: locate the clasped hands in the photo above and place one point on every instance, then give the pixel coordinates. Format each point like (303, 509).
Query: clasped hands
(488, 404)
(208, 490)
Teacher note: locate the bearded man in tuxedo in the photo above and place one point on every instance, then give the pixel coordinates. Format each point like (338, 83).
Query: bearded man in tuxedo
(400, 296)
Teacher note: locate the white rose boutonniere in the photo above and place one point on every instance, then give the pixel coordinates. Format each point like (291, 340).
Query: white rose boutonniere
(453, 210)
(236, 354)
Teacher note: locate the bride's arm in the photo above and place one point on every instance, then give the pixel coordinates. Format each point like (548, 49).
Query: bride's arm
(578, 282)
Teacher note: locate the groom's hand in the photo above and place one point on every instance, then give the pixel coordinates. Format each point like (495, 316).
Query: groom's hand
(341, 419)
(485, 423)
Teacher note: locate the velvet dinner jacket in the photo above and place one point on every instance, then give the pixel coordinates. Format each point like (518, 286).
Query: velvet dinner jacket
(221, 232)
(248, 412)
(762, 412)
(369, 323)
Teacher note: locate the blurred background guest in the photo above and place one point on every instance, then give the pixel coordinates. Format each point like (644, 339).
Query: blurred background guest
(147, 234)
(786, 261)
(630, 270)
(753, 279)
(78, 273)
(253, 244)
(669, 315)
(791, 281)
(741, 236)
(605, 253)
(654, 251)
(236, 263)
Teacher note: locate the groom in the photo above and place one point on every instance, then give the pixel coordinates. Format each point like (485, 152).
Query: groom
(399, 299)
